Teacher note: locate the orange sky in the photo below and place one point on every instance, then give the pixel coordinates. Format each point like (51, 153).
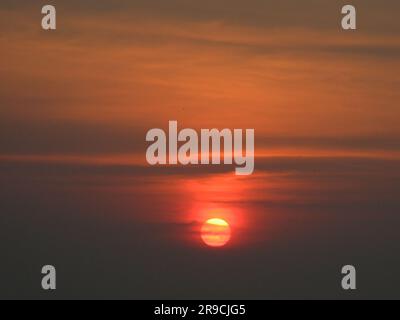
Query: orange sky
(292, 82)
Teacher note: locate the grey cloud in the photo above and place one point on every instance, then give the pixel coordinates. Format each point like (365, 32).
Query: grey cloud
(374, 16)
(73, 137)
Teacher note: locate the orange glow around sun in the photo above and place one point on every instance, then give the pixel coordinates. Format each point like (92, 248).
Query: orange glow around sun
(215, 232)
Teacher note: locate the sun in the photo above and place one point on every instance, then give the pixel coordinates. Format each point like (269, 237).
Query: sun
(215, 232)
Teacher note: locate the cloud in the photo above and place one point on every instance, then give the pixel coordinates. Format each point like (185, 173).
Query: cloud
(265, 14)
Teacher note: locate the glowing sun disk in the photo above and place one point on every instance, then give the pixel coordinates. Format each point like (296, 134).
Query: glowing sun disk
(215, 232)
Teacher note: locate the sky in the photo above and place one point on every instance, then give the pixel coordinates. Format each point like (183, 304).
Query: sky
(76, 191)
